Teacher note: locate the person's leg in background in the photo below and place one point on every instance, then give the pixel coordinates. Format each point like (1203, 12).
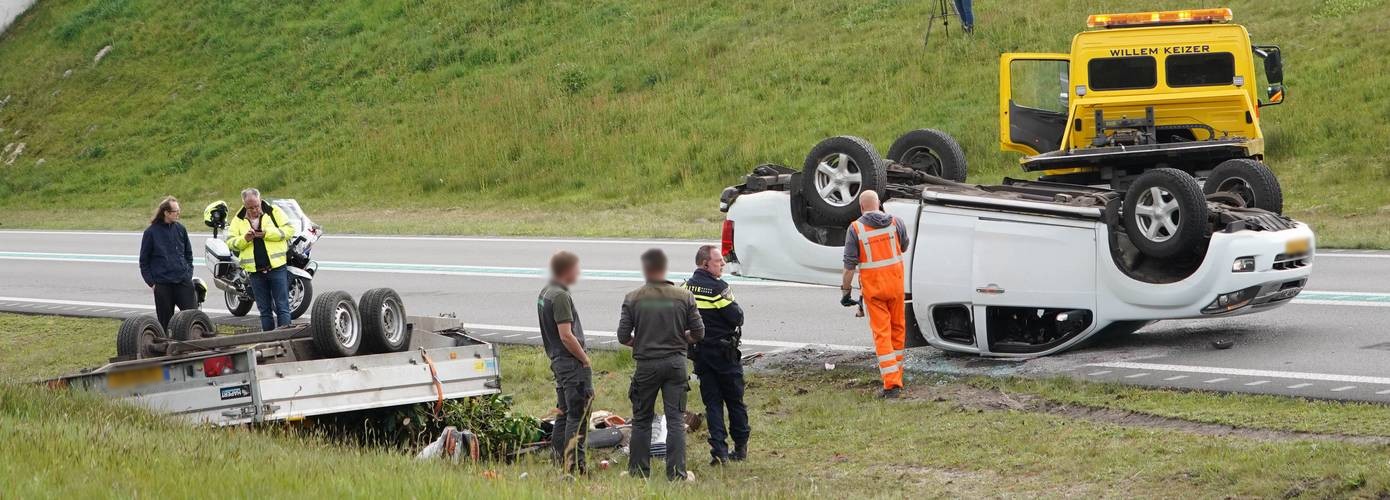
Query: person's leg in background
(577, 384)
(675, 383)
(967, 15)
(881, 322)
(710, 385)
(164, 303)
(186, 296)
(731, 387)
(280, 287)
(642, 392)
(260, 287)
(558, 436)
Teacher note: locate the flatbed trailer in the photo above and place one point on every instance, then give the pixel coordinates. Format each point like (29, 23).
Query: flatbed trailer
(280, 376)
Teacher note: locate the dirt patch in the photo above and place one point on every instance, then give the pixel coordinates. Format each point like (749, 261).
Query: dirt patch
(978, 399)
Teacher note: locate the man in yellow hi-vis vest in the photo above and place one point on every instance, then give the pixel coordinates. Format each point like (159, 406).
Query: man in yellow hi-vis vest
(874, 245)
(260, 235)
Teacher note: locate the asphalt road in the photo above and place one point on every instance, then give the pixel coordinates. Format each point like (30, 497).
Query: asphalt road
(1331, 342)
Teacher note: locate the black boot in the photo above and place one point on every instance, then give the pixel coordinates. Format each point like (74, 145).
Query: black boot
(718, 460)
(740, 452)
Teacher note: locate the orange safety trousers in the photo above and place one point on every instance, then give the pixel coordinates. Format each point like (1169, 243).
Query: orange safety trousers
(881, 279)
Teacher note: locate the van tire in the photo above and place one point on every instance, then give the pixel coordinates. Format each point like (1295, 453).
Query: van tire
(831, 196)
(1165, 213)
(931, 151)
(1249, 179)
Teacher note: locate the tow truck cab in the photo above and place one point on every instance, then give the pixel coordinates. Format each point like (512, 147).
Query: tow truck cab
(1146, 90)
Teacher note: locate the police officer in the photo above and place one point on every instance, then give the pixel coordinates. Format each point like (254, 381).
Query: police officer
(717, 358)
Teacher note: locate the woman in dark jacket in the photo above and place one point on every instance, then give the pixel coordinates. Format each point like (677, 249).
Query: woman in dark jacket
(166, 262)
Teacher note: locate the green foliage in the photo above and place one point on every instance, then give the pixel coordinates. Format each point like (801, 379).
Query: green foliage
(500, 433)
(589, 106)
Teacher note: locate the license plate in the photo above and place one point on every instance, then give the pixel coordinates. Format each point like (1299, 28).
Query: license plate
(1301, 245)
(132, 378)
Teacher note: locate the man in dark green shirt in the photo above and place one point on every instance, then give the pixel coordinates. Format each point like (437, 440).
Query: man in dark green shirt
(564, 344)
(659, 321)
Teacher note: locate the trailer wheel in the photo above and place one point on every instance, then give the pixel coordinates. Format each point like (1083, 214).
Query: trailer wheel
(383, 321)
(236, 305)
(1165, 213)
(191, 324)
(137, 337)
(836, 172)
(1249, 179)
(336, 325)
(301, 295)
(931, 151)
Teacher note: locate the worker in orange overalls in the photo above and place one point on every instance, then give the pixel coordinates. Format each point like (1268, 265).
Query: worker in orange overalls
(874, 245)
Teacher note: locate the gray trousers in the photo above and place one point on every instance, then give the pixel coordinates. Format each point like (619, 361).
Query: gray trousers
(669, 377)
(574, 388)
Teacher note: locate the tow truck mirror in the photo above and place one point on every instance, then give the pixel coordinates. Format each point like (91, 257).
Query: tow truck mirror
(1274, 67)
(1276, 94)
(1274, 72)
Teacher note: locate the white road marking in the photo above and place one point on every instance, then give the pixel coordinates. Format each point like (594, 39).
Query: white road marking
(1215, 380)
(1343, 388)
(1137, 375)
(1387, 391)
(1097, 374)
(1299, 386)
(469, 239)
(533, 337)
(1176, 377)
(512, 335)
(1321, 255)
(1258, 382)
(1242, 372)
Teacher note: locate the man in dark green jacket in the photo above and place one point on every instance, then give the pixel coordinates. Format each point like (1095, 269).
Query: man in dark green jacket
(659, 321)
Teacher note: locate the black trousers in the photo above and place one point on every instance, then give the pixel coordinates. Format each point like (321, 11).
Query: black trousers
(669, 377)
(574, 389)
(721, 388)
(168, 295)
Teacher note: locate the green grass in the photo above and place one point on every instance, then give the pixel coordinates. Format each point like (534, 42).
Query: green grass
(816, 433)
(581, 116)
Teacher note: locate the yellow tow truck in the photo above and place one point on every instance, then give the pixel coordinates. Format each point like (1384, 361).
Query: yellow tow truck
(1148, 103)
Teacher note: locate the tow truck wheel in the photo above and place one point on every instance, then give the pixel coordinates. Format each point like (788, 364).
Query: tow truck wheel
(336, 325)
(931, 151)
(1165, 213)
(836, 172)
(1249, 179)
(191, 324)
(301, 295)
(383, 321)
(137, 336)
(237, 305)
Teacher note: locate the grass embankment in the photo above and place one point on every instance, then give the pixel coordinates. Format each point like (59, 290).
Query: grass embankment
(816, 433)
(616, 118)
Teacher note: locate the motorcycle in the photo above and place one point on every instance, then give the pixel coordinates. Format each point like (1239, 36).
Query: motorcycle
(235, 283)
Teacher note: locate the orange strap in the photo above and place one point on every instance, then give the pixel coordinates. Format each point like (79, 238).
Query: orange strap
(438, 387)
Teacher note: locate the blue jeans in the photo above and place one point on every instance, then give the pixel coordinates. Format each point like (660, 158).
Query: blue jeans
(967, 16)
(272, 291)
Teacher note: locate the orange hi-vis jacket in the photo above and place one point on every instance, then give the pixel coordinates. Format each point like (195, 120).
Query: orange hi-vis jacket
(881, 278)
